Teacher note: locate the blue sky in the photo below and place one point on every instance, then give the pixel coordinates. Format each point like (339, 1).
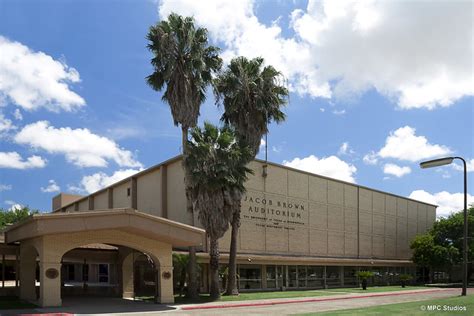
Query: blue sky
(376, 87)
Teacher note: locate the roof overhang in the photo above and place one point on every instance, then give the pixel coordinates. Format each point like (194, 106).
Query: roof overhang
(306, 260)
(129, 220)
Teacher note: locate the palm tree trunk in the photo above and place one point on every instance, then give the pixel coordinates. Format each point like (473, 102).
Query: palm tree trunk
(469, 272)
(232, 277)
(192, 264)
(182, 280)
(192, 274)
(214, 268)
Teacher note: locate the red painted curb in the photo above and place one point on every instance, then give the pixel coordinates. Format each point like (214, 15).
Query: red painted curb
(48, 314)
(307, 300)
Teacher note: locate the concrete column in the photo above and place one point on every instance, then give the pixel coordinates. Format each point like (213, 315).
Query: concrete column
(164, 191)
(110, 198)
(3, 270)
(264, 276)
(127, 277)
(324, 276)
(27, 274)
(50, 285)
(134, 193)
(166, 285)
(91, 202)
(17, 269)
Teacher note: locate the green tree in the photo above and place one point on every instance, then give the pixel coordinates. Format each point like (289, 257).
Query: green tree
(183, 65)
(449, 232)
(252, 96)
(217, 167)
(428, 254)
(8, 217)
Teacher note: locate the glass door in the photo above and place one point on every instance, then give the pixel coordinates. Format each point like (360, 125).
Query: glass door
(292, 276)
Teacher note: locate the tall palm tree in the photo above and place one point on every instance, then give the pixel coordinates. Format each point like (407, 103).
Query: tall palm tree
(217, 167)
(183, 65)
(252, 96)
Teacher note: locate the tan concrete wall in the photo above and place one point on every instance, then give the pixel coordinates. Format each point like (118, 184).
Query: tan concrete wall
(308, 214)
(101, 201)
(176, 196)
(149, 193)
(63, 199)
(121, 199)
(84, 205)
(70, 208)
(336, 219)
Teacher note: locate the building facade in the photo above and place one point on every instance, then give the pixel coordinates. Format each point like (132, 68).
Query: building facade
(298, 230)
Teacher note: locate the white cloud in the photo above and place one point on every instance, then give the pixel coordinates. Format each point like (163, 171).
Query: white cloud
(33, 80)
(395, 170)
(331, 166)
(13, 160)
(17, 114)
(370, 158)
(80, 146)
(100, 180)
(52, 187)
(345, 149)
(277, 149)
(262, 143)
(6, 125)
(238, 28)
(13, 205)
(5, 187)
(447, 202)
(339, 112)
(398, 48)
(460, 167)
(404, 144)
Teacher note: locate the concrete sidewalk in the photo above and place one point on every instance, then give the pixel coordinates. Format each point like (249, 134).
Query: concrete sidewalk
(326, 298)
(319, 304)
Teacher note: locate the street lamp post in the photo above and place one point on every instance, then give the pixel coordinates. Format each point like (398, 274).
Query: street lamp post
(447, 161)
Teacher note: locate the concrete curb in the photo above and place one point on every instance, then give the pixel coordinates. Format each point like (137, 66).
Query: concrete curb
(309, 300)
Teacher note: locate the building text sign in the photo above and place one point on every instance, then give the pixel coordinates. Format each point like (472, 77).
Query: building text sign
(273, 211)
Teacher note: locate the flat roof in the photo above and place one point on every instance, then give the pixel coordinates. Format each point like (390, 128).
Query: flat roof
(125, 219)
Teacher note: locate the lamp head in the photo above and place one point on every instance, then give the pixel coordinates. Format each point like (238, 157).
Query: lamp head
(436, 162)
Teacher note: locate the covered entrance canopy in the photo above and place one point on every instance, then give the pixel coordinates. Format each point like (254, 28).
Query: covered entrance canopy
(50, 236)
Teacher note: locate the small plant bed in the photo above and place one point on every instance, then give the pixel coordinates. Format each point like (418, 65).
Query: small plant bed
(418, 308)
(376, 289)
(12, 302)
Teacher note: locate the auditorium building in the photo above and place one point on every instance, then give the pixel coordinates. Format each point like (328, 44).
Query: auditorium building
(299, 231)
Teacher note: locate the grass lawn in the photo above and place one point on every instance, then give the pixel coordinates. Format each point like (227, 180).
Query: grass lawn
(10, 302)
(411, 308)
(293, 294)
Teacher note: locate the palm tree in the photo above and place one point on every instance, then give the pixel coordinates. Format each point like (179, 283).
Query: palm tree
(252, 96)
(180, 264)
(183, 65)
(217, 167)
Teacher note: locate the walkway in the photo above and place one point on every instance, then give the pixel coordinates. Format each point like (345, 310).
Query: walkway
(95, 305)
(314, 304)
